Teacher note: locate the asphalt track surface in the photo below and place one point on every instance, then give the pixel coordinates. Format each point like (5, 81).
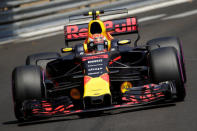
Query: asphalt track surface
(179, 117)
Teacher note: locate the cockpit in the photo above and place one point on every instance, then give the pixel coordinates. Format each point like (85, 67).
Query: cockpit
(95, 28)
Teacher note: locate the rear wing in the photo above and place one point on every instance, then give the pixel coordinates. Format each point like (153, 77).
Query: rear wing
(115, 27)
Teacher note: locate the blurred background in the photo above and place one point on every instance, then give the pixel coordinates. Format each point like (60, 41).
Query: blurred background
(22, 19)
(27, 18)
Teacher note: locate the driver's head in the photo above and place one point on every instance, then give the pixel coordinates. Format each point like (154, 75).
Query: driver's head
(97, 43)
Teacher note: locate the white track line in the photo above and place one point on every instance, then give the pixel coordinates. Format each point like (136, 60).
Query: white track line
(157, 6)
(42, 36)
(44, 31)
(181, 15)
(148, 18)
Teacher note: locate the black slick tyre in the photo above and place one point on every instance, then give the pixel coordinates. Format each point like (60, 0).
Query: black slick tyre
(27, 83)
(169, 42)
(164, 66)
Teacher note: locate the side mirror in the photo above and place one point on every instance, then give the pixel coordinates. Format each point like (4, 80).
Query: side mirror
(64, 50)
(124, 42)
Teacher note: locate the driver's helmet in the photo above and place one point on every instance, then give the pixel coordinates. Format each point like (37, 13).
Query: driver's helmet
(97, 43)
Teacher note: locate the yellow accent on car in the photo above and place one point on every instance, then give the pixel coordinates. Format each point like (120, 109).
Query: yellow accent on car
(85, 46)
(107, 69)
(96, 87)
(100, 23)
(124, 42)
(104, 33)
(125, 86)
(67, 49)
(109, 45)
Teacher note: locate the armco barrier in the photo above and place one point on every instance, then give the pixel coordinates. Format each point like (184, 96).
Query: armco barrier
(16, 16)
(24, 16)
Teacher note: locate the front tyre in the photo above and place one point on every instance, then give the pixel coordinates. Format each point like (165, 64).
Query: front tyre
(164, 66)
(27, 84)
(169, 42)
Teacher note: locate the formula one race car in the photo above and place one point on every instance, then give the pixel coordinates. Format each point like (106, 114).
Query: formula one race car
(100, 74)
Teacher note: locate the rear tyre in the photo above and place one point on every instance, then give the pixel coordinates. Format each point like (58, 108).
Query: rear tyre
(164, 66)
(27, 83)
(41, 59)
(169, 42)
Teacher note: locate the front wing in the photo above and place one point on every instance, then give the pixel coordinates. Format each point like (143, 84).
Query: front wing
(136, 96)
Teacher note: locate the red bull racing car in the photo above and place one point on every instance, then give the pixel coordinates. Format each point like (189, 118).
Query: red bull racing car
(102, 73)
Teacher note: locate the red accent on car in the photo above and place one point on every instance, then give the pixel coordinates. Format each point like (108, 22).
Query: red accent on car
(130, 103)
(134, 21)
(66, 112)
(108, 24)
(72, 29)
(70, 106)
(128, 25)
(59, 107)
(48, 109)
(117, 105)
(120, 30)
(78, 110)
(134, 28)
(85, 34)
(105, 77)
(62, 109)
(86, 79)
(133, 99)
(94, 57)
(117, 58)
(46, 105)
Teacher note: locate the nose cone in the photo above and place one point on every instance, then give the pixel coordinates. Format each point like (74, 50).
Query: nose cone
(96, 101)
(96, 86)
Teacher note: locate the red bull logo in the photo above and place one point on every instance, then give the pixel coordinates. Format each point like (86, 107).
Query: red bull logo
(119, 26)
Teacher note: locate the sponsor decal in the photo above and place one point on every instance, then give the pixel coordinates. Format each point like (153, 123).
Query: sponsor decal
(95, 65)
(120, 26)
(95, 57)
(76, 31)
(125, 86)
(94, 73)
(95, 69)
(95, 61)
(115, 59)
